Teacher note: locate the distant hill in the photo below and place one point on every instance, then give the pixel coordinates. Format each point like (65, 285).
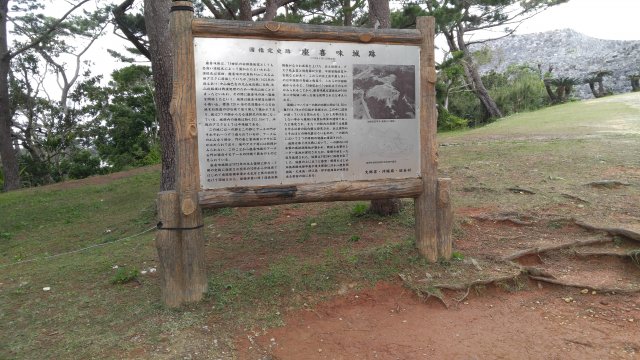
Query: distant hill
(571, 53)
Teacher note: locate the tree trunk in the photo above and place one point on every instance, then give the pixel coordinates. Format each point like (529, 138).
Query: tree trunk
(156, 13)
(379, 14)
(271, 10)
(347, 12)
(245, 10)
(7, 153)
(601, 91)
(474, 78)
(592, 86)
(552, 96)
(379, 18)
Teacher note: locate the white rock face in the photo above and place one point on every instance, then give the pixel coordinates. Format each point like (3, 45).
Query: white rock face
(571, 53)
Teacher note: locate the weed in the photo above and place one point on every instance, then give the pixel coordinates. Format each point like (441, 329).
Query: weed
(354, 238)
(456, 255)
(124, 275)
(226, 211)
(359, 210)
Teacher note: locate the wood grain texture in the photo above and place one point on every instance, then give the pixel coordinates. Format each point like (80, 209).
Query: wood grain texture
(426, 203)
(303, 32)
(169, 250)
(183, 112)
(329, 191)
(445, 218)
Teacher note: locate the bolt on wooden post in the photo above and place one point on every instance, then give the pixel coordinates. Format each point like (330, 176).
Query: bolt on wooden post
(390, 154)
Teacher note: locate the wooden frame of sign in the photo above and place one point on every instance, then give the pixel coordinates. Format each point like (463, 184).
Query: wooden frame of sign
(180, 239)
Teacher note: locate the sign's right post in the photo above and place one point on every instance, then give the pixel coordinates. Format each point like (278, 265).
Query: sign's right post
(426, 203)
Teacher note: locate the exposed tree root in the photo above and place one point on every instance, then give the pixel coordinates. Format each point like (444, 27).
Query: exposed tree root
(583, 286)
(602, 253)
(478, 189)
(424, 292)
(463, 287)
(501, 217)
(608, 184)
(518, 190)
(573, 197)
(630, 234)
(534, 271)
(539, 250)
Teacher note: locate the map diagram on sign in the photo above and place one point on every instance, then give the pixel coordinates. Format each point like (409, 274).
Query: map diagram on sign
(384, 91)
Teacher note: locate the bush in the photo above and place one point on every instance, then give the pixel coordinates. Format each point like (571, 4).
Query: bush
(124, 275)
(447, 121)
(81, 164)
(521, 89)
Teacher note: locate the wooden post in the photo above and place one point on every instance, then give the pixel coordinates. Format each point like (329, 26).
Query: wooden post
(425, 204)
(183, 111)
(169, 249)
(445, 218)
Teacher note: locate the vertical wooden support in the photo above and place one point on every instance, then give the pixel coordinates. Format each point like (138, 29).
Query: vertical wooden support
(169, 249)
(425, 204)
(183, 112)
(445, 218)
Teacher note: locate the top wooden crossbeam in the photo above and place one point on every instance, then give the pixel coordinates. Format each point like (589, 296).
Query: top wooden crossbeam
(303, 32)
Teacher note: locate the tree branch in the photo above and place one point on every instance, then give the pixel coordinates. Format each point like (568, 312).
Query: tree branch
(53, 27)
(279, 3)
(216, 13)
(119, 13)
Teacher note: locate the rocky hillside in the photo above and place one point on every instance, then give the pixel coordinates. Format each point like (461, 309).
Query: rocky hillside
(571, 54)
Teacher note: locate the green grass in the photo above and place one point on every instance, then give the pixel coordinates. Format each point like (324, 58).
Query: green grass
(263, 261)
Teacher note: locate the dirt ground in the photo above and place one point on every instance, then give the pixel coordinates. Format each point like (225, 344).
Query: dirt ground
(390, 322)
(525, 319)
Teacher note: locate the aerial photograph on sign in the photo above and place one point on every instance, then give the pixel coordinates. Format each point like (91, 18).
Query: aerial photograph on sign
(384, 91)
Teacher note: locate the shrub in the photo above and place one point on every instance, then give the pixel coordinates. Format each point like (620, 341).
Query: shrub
(447, 121)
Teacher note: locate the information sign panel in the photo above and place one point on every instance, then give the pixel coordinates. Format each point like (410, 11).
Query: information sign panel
(289, 112)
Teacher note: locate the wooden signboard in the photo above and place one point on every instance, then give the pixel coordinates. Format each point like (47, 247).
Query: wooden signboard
(270, 113)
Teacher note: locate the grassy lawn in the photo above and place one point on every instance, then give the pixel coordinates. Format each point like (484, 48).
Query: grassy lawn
(265, 261)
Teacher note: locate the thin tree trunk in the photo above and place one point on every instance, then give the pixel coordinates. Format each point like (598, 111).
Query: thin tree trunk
(592, 86)
(552, 96)
(7, 153)
(245, 10)
(379, 14)
(271, 10)
(601, 91)
(347, 12)
(474, 78)
(156, 13)
(379, 18)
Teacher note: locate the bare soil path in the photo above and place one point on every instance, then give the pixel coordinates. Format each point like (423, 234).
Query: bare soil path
(389, 322)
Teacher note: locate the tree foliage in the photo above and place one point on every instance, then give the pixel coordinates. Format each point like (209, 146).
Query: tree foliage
(42, 123)
(126, 131)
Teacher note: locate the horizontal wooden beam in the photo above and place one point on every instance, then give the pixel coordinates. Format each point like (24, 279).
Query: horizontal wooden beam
(284, 31)
(329, 191)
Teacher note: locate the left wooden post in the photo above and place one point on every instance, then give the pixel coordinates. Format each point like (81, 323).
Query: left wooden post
(186, 258)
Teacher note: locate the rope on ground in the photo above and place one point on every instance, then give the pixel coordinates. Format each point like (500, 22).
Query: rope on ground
(79, 250)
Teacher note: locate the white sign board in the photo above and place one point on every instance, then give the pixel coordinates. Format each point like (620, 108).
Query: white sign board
(288, 112)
